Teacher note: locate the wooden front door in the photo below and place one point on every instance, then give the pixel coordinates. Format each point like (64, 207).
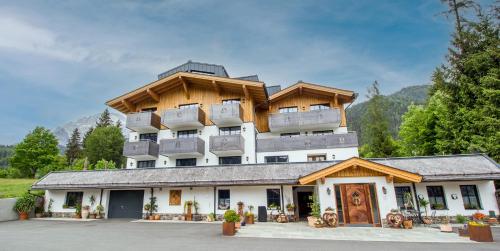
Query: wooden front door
(356, 200)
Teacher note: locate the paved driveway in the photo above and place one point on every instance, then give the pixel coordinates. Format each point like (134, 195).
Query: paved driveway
(125, 235)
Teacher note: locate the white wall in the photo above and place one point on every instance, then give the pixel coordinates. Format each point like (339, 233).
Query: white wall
(301, 156)
(486, 190)
(386, 201)
(59, 197)
(207, 131)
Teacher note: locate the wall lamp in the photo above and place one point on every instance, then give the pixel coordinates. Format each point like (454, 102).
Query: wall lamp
(328, 190)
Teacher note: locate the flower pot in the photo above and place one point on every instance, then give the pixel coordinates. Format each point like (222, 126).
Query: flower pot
(228, 228)
(249, 219)
(427, 221)
(408, 224)
(98, 216)
(237, 225)
(188, 217)
(480, 233)
(92, 216)
(446, 228)
(23, 216)
(85, 213)
(311, 221)
(151, 217)
(157, 217)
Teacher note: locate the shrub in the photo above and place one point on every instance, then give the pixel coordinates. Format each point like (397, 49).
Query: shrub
(231, 216)
(461, 219)
(315, 207)
(25, 203)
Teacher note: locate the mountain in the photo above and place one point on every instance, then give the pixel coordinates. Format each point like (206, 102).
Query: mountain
(396, 105)
(63, 132)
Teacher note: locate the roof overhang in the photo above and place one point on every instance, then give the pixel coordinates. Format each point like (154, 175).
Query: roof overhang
(344, 96)
(127, 102)
(355, 162)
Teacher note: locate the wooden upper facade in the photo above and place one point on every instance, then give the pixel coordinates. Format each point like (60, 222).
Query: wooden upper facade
(184, 88)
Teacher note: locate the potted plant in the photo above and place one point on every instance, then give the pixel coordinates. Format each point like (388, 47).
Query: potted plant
(480, 232)
(24, 205)
(188, 215)
(49, 208)
(445, 225)
(100, 210)
(93, 213)
(230, 219)
(478, 216)
(424, 203)
(408, 203)
(315, 219)
(147, 208)
(78, 211)
(153, 207)
(290, 207)
(211, 217)
(249, 216)
(85, 211)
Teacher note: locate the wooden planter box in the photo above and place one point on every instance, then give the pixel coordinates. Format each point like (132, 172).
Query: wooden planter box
(480, 233)
(228, 228)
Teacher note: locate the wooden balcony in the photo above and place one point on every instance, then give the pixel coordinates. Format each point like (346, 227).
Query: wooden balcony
(277, 144)
(226, 114)
(184, 118)
(141, 150)
(227, 145)
(311, 120)
(182, 148)
(143, 122)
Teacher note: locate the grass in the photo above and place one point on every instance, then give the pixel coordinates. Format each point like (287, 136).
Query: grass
(10, 188)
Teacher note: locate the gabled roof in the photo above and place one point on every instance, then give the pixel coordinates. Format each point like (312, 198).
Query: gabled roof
(196, 67)
(126, 102)
(344, 96)
(356, 162)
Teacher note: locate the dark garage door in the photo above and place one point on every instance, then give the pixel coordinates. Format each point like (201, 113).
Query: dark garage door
(126, 204)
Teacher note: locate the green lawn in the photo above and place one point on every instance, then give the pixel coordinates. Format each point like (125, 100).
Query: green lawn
(10, 188)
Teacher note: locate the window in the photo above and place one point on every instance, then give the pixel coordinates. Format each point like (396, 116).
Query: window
(149, 109)
(186, 134)
(320, 157)
(73, 199)
(185, 162)
(327, 132)
(146, 163)
(230, 160)
(290, 134)
(400, 197)
(289, 109)
(233, 130)
(230, 101)
(436, 197)
(148, 136)
(319, 107)
(189, 106)
(276, 159)
(470, 197)
(224, 202)
(273, 198)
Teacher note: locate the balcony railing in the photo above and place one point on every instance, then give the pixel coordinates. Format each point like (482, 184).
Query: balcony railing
(184, 118)
(144, 122)
(277, 144)
(183, 147)
(311, 120)
(226, 145)
(141, 150)
(226, 114)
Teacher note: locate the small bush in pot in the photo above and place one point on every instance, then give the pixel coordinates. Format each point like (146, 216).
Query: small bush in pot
(315, 219)
(24, 205)
(85, 211)
(100, 210)
(78, 210)
(228, 226)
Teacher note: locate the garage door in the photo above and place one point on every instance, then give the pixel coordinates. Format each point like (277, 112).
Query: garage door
(126, 204)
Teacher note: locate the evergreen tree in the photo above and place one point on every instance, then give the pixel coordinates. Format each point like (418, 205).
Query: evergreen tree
(37, 150)
(87, 134)
(105, 143)
(105, 119)
(73, 147)
(119, 124)
(375, 128)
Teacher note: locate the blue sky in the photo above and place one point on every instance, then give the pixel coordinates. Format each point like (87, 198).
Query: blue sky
(60, 60)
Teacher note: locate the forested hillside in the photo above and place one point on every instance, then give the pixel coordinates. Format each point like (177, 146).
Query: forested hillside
(5, 153)
(395, 105)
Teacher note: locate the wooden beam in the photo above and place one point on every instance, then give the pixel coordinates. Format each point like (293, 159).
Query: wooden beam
(322, 180)
(184, 87)
(216, 86)
(131, 107)
(336, 99)
(245, 90)
(153, 95)
(300, 90)
(389, 178)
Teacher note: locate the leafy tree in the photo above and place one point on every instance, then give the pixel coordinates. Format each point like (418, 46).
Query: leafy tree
(59, 164)
(105, 143)
(104, 164)
(375, 128)
(105, 119)
(73, 147)
(5, 153)
(37, 150)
